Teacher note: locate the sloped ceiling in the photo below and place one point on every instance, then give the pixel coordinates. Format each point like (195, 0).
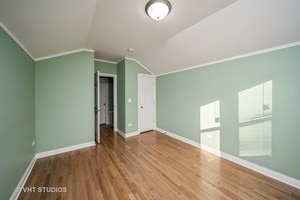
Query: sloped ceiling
(194, 33)
(118, 25)
(244, 27)
(46, 27)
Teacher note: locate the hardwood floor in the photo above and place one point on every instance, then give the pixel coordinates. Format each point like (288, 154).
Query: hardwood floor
(149, 166)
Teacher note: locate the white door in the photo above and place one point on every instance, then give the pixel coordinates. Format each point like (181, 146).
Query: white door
(103, 103)
(146, 102)
(97, 107)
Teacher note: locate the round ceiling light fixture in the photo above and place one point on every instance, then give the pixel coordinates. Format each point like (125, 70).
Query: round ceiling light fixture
(158, 9)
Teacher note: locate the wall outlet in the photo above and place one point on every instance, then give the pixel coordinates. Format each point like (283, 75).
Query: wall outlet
(129, 125)
(33, 143)
(129, 100)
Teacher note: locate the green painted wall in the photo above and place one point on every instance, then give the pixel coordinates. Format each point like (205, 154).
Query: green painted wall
(121, 95)
(180, 95)
(127, 72)
(64, 88)
(105, 67)
(132, 69)
(16, 113)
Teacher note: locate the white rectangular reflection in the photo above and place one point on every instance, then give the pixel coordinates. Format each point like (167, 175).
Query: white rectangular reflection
(256, 139)
(210, 115)
(255, 102)
(211, 139)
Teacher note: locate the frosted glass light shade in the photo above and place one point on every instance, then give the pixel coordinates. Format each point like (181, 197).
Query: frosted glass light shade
(158, 9)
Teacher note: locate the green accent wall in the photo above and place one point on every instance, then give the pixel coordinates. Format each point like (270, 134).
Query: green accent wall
(16, 113)
(180, 96)
(105, 67)
(64, 89)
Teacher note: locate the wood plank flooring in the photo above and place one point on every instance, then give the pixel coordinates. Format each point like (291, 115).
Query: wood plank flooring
(149, 166)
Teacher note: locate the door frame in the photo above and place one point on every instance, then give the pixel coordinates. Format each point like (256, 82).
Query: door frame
(154, 97)
(105, 95)
(96, 109)
(115, 105)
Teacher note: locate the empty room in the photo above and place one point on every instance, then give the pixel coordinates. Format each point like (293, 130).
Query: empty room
(149, 99)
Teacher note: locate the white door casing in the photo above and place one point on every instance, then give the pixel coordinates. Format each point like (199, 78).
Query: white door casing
(115, 106)
(146, 102)
(97, 107)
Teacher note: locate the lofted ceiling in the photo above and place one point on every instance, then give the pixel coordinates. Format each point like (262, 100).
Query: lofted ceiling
(194, 33)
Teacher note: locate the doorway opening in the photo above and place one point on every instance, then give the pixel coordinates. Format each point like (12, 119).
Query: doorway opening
(105, 102)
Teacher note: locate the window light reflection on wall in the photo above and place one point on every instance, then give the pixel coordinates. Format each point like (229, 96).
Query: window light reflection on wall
(210, 125)
(255, 120)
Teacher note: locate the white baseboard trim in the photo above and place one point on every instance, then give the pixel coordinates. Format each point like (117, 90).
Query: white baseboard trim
(183, 139)
(65, 149)
(210, 150)
(132, 134)
(23, 180)
(121, 133)
(262, 170)
(21, 183)
(127, 135)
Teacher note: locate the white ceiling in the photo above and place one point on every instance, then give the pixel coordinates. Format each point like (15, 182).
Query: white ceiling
(118, 25)
(46, 27)
(244, 27)
(194, 33)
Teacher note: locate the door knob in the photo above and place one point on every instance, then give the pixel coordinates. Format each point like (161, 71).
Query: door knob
(142, 107)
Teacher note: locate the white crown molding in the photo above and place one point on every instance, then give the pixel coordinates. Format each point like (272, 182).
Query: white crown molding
(127, 58)
(65, 149)
(23, 180)
(120, 60)
(140, 65)
(235, 58)
(44, 57)
(106, 61)
(257, 168)
(15, 39)
(63, 54)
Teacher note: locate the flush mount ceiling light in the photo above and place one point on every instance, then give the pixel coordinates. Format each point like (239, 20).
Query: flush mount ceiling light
(158, 9)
